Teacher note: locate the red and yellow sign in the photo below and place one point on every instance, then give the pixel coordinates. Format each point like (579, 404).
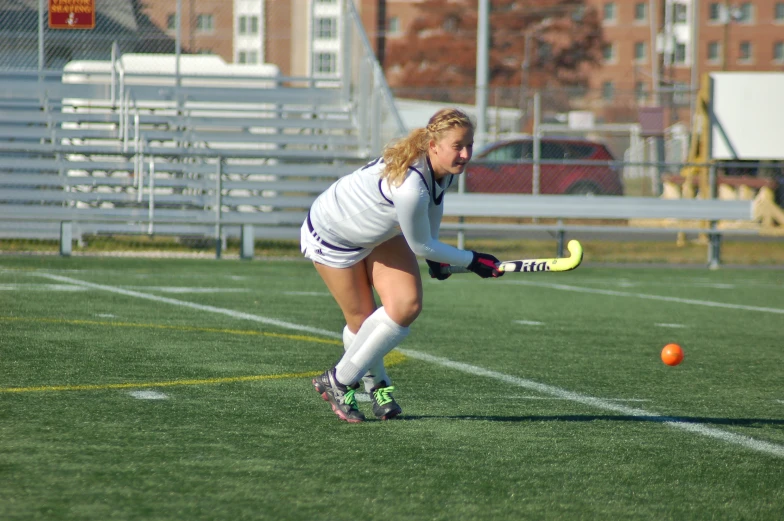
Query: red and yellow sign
(71, 14)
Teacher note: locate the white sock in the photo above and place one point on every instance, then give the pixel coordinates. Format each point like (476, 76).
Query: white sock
(376, 373)
(378, 335)
(348, 338)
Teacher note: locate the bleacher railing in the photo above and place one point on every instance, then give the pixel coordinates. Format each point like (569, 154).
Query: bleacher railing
(377, 115)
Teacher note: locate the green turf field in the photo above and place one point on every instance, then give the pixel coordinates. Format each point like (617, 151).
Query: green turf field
(139, 389)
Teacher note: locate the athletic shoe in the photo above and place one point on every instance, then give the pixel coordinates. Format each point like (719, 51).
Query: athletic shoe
(339, 396)
(384, 405)
(321, 383)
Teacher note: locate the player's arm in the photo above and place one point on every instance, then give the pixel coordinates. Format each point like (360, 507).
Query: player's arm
(412, 202)
(437, 270)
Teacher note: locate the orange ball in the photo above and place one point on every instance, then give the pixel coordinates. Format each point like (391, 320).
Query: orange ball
(672, 354)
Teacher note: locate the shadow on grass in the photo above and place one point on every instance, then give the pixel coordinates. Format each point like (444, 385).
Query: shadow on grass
(621, 418)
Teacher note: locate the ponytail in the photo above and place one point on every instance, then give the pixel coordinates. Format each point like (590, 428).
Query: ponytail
(399, 155)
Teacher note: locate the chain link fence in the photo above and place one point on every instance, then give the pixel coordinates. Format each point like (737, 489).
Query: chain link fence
(124, 108)
(535, 147)
(28, 42)
(334, 51)
(566, 141)
(583, 141)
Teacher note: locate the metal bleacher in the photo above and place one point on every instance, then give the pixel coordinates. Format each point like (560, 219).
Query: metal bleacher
(94, 152)
(199, 150)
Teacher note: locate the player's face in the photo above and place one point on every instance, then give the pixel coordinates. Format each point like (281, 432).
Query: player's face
(452, 153)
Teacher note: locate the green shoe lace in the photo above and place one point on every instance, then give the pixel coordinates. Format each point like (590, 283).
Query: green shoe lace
(349, 399)
(382, 394)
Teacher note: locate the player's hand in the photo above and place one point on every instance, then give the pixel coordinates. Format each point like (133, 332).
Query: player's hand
(436, 270)
(485, 265)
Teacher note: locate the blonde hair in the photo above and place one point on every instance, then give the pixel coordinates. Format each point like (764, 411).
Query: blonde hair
(400, 154)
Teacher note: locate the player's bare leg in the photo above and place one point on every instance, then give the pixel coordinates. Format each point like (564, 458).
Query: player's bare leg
(393, 270)
(395, 275)
(351, 289)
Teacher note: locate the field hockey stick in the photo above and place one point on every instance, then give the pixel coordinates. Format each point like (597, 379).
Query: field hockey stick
(531, 265)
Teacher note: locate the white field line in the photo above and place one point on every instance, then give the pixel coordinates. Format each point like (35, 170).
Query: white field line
(529, 323)
(149, 395)
(200, 307)
(363, 397)
(599, 403)
(162, 289)
(691, 281)
(186, 289)
(693, 427)
(40, 287)
(613, 293)
(557, 398)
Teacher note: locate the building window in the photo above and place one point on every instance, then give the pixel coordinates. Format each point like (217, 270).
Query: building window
(640, 52)
(680, 53)
(681, 13)
(325, 63)
(249, 57)
(248, 25)
(450, 23)
(778, 12)
(326, 28)
(608, 52)
(393, 26)
(640, 11)
(544, 52)
(609, 12)
(641, 91)
(745, 52)
(744, 14)
(714, 52)
(205, 23)
(714, 12)
(778, 52)
(608, 91)
(171, 22)
(578, 91)
(681, 95)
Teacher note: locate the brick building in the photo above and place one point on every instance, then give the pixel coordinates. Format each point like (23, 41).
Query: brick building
(649, 55)
(207, 28)
(747, 36)
(650, 43)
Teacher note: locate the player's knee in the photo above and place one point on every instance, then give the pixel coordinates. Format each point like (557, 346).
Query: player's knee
(404, 311)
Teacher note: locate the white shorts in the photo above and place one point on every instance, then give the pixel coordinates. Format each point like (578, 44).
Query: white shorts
(323, 252)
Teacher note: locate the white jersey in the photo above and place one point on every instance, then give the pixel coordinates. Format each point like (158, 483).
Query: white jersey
(361, 211)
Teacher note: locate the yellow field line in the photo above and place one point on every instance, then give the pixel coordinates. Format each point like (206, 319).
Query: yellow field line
(303, 338)
(171, 383)
(391, 359)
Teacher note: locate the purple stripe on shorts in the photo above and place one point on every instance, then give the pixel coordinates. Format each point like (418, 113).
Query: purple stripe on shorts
(325, 243)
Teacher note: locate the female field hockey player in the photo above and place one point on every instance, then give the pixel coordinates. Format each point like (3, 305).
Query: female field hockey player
(364, 233)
